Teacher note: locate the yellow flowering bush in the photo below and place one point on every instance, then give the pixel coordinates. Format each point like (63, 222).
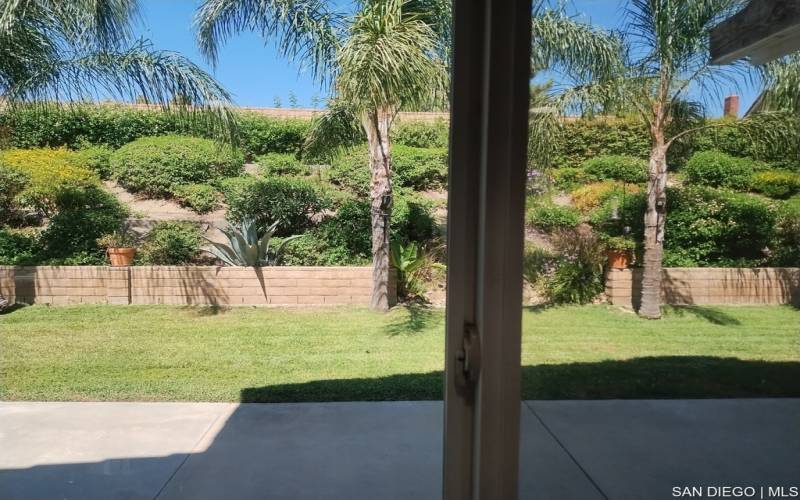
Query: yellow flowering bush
(49, 171)
(587, 198)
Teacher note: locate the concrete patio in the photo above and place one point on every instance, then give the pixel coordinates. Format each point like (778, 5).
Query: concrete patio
(570, 449)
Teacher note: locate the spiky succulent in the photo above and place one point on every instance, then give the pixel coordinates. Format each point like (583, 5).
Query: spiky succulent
(249, 245)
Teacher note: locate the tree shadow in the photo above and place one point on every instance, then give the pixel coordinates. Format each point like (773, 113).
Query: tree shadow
(663, 377)
(201, 311)
(710, 314)
(12, 308)
(419, 318)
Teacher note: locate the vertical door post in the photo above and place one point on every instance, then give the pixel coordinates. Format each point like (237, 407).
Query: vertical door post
(488, 154)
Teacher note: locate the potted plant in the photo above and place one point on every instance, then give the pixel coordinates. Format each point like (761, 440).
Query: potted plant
(619, 250)
(120, 247)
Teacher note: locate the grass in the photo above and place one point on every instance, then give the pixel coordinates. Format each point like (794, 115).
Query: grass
(159, 353)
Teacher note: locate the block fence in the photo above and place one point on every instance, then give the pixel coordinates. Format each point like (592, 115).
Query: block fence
(189, 285)
(709, 286)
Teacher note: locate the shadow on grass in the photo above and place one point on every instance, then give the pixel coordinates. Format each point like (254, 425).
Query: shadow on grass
(710, 314)
(420, 317)
(206, 310)
(668, 377)
(12, 308)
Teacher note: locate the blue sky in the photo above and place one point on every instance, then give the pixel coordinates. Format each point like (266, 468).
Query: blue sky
(256, 75)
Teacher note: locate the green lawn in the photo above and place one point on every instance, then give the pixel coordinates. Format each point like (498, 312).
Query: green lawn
(164, 353)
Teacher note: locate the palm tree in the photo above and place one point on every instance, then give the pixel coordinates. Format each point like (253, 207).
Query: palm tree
(54, 52)
(667, 61)
(388, 56)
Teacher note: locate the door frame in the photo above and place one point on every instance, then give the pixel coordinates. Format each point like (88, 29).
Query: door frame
(488, 156)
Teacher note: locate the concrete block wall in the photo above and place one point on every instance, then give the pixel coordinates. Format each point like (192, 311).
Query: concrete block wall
(710, 286)
(189, 285)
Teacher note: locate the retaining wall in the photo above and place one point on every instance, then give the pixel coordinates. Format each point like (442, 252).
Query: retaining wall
(189, 285)
(708, 286)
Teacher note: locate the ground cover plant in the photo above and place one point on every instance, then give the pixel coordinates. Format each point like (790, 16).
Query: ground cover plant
(158, 353)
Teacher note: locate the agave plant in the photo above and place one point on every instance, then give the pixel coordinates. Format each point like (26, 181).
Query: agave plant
(248, 245)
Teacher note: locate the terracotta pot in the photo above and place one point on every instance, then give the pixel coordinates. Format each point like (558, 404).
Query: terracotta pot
(121, 257)
(618, 259)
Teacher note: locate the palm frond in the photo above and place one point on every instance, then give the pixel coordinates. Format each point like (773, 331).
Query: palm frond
(781, 85)
(338, 127)
(388, 60)
(306, 31)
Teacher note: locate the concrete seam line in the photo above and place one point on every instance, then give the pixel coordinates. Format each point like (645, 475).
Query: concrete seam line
(189, 454)
(563, 447)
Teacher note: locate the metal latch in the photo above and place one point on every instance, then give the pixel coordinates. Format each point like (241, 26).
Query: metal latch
(470, 354)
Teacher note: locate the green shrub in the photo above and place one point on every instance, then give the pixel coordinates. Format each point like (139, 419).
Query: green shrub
(171, 243)
(419, 169)
(414, 168)
(549, 217)
(97, 159)
(49, 171)
(313, 249)
(116, 126)
(350, 170)
(578, 275)
(201, 198)
(157, 165)
(716, 169)
(776, 183)
(421, 134)
(567, 178)
(83, 215)
(351, 227)
(18, 247)
(292, 201)
(260, 134)
(787, 234)
(280, 164)
(617, 167)
(708, 227)
(12, 183)
(537, 263)
(591, 196)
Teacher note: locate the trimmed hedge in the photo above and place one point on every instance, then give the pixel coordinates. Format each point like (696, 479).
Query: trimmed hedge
(157, 165)
(421, 134)
(12, 183)
(787, 234)
(776, 183)
(416, 168)
(706, 227)
(171, 243)
(550, 217)
(201, 198)
(280, 164)
(578, 140)
(292, 201)
(617, 168)
(346, 237)
(83, 216)
(49, 172)
(117, 125)
(717, 169)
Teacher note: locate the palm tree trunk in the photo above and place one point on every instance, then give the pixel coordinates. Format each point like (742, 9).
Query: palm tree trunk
(376, 124)
(654, 221)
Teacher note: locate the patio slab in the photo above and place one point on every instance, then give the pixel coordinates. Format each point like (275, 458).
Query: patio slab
(570, 449)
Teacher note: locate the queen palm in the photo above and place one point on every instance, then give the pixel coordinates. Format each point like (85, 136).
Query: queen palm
(55, 52)
(667, 63)
(386, 56)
